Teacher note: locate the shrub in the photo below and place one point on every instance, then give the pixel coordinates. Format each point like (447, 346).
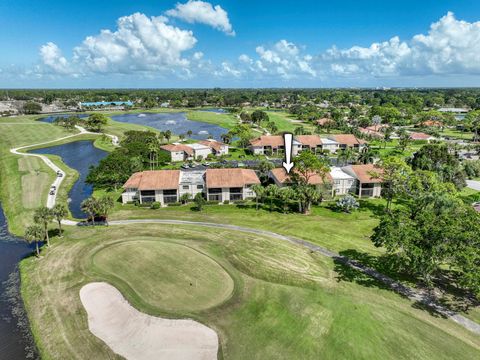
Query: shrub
(226, 202)
(155, 205)
(212, 202)
(174, 204)
(347, 203)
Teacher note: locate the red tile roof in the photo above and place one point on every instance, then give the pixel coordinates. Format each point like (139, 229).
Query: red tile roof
(323, 121)
(177, 148)
(420, 136)
(154, 180)
(347, 139)
(314, 179)
(270, 140)
(214, 144)
(367, 173)
(224, 178)
(310, 140)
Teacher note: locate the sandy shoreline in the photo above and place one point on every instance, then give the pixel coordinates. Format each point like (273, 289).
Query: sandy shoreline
(135, 335)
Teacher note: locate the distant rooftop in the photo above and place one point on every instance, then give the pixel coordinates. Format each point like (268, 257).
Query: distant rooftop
(106, 103)
(453, 110)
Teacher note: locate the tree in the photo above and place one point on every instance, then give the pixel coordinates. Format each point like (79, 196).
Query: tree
(271, 192)
(189, 133)
(259, 190)
(367, 155)
(104, 205)
(347, 203)
(347, 155)
(90, 206)
(168, 135)
(96, 122)
(394, 173)
(226, 138)
(286, 195)
(258, 116)
(34, 233)
(185, 198)
(199, 201)
(31, 107)
(43, 216)
(306, 196)
(263, 168)
(59, 212)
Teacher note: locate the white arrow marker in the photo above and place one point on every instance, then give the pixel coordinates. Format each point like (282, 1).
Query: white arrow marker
(288, 140)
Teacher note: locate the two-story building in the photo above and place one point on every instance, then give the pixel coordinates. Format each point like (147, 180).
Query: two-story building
(195, 151)
(168, 186)
(348, 141)
(368, 179)
(178, 152)
(218, 148)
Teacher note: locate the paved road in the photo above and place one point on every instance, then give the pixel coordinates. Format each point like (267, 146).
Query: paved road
(473, 184)
(51, 199)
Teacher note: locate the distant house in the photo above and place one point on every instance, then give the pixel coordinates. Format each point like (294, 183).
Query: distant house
(200, 151)
(416, 136)
(281, 178)
(230, 184)
(348, 141)
(167, 186)
(218, 148)
(309, 142)
(430, 123)
(367, 183)
(369, 132)
(178, 152)
(342, 182)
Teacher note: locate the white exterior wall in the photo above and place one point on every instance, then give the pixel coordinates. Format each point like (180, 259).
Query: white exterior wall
(257, 150)
(223, 150)
(343, 186)
(177, 155)
(330, 147)
(202, 152)
(248, 192)
(192, 189)
(129, 195)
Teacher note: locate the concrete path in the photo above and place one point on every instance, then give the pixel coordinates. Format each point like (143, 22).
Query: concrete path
(473, 184)
(51, 199)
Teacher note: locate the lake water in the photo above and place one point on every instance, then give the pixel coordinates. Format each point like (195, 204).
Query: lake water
(215, 110)
(51, 119)
(79, 155)
(177, 123)
(16, 341)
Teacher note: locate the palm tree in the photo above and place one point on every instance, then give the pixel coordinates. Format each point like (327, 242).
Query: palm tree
(271, 191)
(161, 137)
(34, 233)
(226, 138)
(189, 133)
(104, 205)
(286, 194)
(43, 216)
(90, 206)
(367, 155)
(59, 211)
(259, 190)
(152, 148)
(346, 155)
(168, 135)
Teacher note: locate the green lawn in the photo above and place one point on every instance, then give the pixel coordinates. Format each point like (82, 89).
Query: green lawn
(287, 303)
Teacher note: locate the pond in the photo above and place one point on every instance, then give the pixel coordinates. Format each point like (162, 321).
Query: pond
(215, 110)
(78, 155)
(16, 341)
(50, 119)
(177, 123)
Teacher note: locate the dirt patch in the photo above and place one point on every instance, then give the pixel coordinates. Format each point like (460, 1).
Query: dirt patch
(135, 335)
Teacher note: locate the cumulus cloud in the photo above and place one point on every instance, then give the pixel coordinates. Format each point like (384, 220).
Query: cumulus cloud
(53, 59)
(140, 43)
(451, 46)
(202, 12)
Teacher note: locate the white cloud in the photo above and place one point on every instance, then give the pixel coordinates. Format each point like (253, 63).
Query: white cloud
(140, 43)
(451, 46)
(53, 59)
(204, 13)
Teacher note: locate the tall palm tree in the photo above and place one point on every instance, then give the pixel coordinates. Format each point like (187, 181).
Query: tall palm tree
(346, 155)
(168, 135)
(90, 206)
(43, 216)
(367, 155)
(59, 212)
(259, 190)
(286, 195)
(226, 138)
(161, 137)
(189, 133)
(271, 191)
(34, 233)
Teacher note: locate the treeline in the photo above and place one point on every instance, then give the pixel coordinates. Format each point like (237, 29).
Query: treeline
(416, 99)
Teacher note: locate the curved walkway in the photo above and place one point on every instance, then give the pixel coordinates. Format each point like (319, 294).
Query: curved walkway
(51, 199)
(411, 293)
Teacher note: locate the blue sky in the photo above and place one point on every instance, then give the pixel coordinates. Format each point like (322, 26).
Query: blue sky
(239, 43)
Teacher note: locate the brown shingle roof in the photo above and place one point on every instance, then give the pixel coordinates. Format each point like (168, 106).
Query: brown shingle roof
(154, 180)
(366, 173)
(218, 178)
(214, 144)
(347, 139)
(271, 140)
(419, 136)
(309, 140)
(282, 177)
(177, 148)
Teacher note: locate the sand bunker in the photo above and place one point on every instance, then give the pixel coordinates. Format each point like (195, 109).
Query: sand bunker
(135, 335)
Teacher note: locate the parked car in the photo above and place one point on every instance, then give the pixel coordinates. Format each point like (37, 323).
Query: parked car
(52, 192)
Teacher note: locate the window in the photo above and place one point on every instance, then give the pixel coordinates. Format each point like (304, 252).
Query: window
(236, 190)
(200, 187)
(215, 191)
(236, 197)
(185, 187)
(215, 197)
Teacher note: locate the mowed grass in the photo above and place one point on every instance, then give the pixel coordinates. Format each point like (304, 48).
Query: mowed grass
(287, 302)
(185, 279)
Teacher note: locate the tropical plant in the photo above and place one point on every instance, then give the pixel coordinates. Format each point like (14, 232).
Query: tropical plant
(59, 212)
(271, 193)
(90, 206)
(199, 201)
(43, 216)
(347, 203)
(259, 190)
(185, 198)
(104, 205)
(34, 233)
